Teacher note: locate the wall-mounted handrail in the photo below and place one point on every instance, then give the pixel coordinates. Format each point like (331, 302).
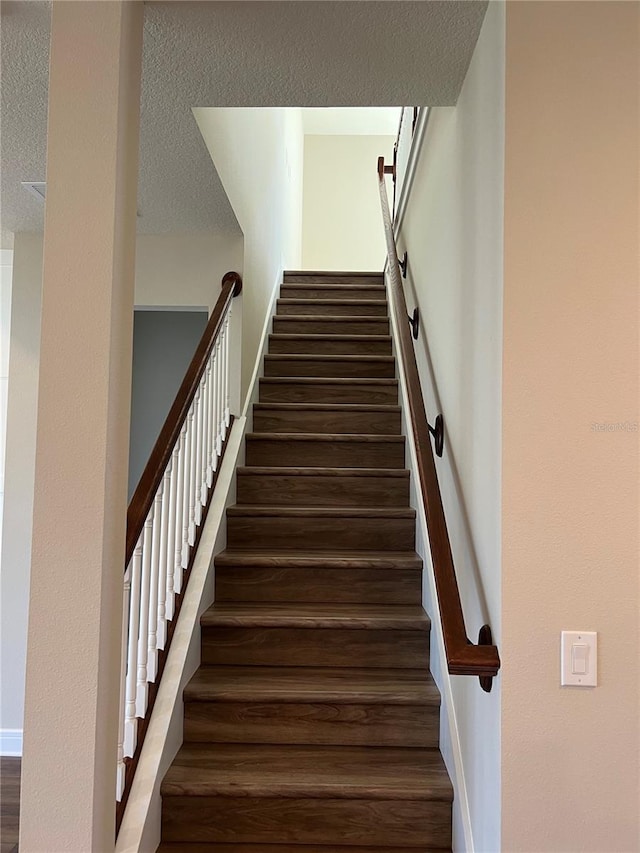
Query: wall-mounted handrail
(463, 656)
(164, 522)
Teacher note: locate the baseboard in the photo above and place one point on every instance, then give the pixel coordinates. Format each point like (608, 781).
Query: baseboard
(412, 163)
(450, 745)
(11, 742)
(258, 368)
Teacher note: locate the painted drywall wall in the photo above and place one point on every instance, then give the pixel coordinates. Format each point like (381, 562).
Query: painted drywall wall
(570, 759)
(6, 269)
(19, 482)
(341, 224)
(452, 231)
(184, 269)
(163, 345)
(258, 154)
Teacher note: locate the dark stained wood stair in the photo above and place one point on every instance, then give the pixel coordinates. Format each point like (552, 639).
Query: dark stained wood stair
(312, 724)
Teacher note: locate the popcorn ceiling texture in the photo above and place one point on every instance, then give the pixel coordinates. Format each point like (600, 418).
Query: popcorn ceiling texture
(341, 53)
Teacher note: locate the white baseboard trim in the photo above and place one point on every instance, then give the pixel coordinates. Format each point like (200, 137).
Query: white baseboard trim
(258, 368)
(412, 163)
(11, 742)
(450, 745)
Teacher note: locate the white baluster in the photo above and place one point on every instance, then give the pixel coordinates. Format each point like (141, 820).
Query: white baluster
(143, 635)
(186, 488)
(197, 485)
(215, 369)
(152, 637)
(193, 426)
(223, 384)
(130, 721)
(202, 466)
(227, 407)
(211, 432)
(171, 534)
(179, 537)
(206, 447)
(218, 401)
(161, 636)
(120, 765)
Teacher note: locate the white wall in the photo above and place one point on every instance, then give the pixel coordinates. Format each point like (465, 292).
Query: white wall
(184, 269)
(341, 223)
(453, 232)
(258, 155)
(6, 265)
(19, 482)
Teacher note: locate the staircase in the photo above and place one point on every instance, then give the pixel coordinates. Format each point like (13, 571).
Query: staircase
(312, 724)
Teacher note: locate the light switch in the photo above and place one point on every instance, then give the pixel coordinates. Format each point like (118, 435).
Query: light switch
(578, 658)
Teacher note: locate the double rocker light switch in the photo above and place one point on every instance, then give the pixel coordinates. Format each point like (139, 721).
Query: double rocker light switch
(579, 658)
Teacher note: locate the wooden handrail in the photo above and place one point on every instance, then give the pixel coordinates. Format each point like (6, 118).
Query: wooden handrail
(463, 656)
(153, 473)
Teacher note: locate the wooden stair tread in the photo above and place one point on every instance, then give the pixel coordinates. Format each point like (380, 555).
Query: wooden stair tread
(195, 847)
(327, 274)
(311, 684)
(309, 471)
(334, 318)
(329, 357)
(257, 558)
(302, 615)
(325, 436)
(310, 336)
(336, 301)
(323, 380)
(326, 772)
(327, 407)
(239, 510)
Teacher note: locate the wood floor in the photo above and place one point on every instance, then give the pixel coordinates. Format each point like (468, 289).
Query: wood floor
(9, 803)
(312, 724)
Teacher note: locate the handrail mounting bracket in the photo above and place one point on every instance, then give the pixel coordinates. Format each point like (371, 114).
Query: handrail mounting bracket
(437, 431)
(485, 638)
(414, 322)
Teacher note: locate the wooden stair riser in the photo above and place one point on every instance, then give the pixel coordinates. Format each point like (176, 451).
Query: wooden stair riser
(330, 344)
(321, 533)
(340, 586)
(267, 820)
(324, 325)
(373, 392)
(336, 647)
(332, 291)
(312, 723)
(315, 490)
(321, 277)
(339, 419)
(302, 452)
(331, 308)
(360, 367)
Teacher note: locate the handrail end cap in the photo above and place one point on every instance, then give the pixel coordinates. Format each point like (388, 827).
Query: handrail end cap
(235, 277)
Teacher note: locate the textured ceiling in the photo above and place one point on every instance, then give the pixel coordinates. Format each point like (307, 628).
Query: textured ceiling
(340, 53)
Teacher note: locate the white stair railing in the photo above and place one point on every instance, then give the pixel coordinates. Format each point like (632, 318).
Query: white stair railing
(164, 519)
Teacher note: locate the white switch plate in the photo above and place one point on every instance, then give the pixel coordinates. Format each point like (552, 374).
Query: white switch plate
(579, 658)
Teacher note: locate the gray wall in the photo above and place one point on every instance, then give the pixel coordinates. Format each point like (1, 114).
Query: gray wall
(163, 345)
